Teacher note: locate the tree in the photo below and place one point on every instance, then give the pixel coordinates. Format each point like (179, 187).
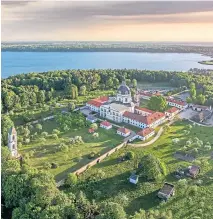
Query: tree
(71, 179)
(41, 96)
(56, 131)
(201, 99)
(111, 210)
(157, 103)
(83, 90)
(134, 83)
(94, 126)
(38, 126)
(6, 124)
(24, 99)
(71, 106)
(152, 168)
(192, 90)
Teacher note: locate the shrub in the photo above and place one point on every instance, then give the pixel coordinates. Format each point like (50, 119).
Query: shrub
(56, 131)
(44, 134)
(130, 155)
(63, 147)
(27, 140)
(91, 155)
(54, 165)
(47, 165)
(55, 136)
(71, 179)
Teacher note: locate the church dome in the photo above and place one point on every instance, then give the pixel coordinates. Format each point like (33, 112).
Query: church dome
(123, 89)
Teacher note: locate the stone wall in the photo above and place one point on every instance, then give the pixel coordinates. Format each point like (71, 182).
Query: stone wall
(99, 159)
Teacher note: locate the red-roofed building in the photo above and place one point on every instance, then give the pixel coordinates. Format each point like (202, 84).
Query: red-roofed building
(143, 111)
(172, 112)
(177, 103)
(95, 104)
(106, 125)
(152, 120)
(123, 132)
(146, 133)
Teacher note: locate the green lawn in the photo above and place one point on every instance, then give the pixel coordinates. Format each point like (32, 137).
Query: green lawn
(77, 155)
(157, 85)
(110, 178)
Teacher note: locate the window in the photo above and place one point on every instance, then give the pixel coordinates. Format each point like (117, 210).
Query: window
(14, 137)
(13, 147)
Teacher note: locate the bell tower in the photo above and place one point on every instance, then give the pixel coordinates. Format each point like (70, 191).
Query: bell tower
(12, 142)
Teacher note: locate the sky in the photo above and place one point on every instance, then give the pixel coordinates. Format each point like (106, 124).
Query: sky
(45, 20)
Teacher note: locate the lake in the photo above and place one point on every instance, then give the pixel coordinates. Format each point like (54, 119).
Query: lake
(24, 62)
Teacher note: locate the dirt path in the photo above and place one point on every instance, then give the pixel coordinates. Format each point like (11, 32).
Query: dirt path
(153, 140)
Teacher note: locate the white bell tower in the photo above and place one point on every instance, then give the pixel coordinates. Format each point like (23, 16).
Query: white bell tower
(12, 142)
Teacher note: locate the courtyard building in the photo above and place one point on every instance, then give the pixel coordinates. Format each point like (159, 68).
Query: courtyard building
(170, 113)
(123, 132)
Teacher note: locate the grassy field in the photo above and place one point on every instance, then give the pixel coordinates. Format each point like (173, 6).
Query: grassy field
(108, 180)
(157, 85)
(76, 156)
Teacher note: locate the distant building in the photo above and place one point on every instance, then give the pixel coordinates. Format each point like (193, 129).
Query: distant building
(12, 142)
(177, 103)
(133, 179)
(167, 191)
(106, 125)
(200, 108)
(170, 113)
(123, 132)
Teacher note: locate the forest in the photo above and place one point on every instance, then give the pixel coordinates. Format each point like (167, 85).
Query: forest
(108, 47)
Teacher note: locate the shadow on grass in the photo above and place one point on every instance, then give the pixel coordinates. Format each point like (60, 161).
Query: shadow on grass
(145, 202)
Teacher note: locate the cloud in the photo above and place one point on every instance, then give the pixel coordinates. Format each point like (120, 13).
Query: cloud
(43, 17)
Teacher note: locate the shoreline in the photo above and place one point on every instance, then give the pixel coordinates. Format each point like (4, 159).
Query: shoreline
(207, 62)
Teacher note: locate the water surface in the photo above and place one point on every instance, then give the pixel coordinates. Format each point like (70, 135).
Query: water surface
(24, 62)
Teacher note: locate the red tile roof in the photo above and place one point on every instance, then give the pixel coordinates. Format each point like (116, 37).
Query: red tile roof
(95, 103)
(98, 101)
(178, 102)
(172, 110)
(144, 119)
(124, 130)
(145, 132)
(144, 109)
(106, 123)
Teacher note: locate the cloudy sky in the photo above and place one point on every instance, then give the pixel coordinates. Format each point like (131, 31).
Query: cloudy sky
(107, 20)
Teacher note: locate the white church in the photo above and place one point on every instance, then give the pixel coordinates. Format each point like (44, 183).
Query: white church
(12, 142)
(122, 108)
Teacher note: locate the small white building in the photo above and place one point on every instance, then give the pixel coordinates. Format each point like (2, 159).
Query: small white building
(145, 134)
(106, 125)
(133, 179)
(200, 108)
(123, 132)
